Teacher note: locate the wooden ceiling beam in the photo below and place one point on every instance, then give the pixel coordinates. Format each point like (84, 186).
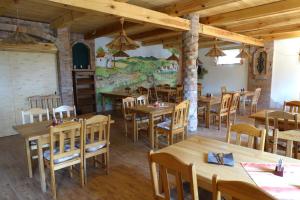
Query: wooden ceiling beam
(128, 11)
(108, 30)
(188, 6)
(67, 19)
(253, 12)
(279, 36)
(156, 33)
(274, 30)
(229, 36)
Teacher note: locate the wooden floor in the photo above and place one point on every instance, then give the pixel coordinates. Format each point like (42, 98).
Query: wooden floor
(129, 177)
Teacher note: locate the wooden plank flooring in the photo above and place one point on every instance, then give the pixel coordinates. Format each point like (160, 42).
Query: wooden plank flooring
(129, 177)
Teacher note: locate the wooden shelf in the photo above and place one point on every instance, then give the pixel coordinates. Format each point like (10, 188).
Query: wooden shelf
(84, 91)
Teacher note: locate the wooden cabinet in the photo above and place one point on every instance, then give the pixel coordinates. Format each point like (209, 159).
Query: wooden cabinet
(84, 91)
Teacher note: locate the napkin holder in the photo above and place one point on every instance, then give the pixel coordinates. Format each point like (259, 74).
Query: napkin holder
(279, 171)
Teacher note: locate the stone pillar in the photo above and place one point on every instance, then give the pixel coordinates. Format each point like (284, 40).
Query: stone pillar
(190, 54)
(65, 66)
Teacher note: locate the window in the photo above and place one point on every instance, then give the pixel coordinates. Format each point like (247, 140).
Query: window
(230, 57)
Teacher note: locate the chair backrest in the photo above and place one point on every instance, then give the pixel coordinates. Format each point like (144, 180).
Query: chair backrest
(96, 131)
(289, 138)
(51, 101)
(180, 115)
(238, 190)
(128, 102)
(291, 106)
(281, 116)
(143, 90)
(152, 94)
(235, 100)
(223, 89)
(225, 103)
(168, 164)
(35, 101)
(62, 140)
(256, 96)
(250, 131)
(64, 109)
(142, 100)
(179, 93)
(35, 112)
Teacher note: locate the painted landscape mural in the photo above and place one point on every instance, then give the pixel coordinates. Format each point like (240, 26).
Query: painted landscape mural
(137, 70)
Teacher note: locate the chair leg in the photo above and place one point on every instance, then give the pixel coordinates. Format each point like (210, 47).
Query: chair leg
(126, 129)
(155, 140)
(82, 174)
(71, 171)
(95, 161)
(171, 138)
(53, 184)
(107, 162)
(85, 173)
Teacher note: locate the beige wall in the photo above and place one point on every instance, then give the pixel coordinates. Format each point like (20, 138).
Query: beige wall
(23, 75)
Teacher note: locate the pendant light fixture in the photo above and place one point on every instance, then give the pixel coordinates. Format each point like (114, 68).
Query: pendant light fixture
(122, 43)
(215, 51)
(243, 54)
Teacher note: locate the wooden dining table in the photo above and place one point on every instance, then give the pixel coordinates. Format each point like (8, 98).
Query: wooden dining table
(208, 102)
(116, 95)
(152, 112)
(195, 150)
(39, 133)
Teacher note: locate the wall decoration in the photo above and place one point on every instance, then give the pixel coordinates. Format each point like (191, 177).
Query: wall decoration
(260, 60)
(200, 69)
(134, 71)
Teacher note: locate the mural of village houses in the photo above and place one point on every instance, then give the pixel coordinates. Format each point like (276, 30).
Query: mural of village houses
(117, 73)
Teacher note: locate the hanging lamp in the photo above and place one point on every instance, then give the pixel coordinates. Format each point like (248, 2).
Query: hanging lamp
(19, 37)
(215, 51)
(122, 42)
(243, 54)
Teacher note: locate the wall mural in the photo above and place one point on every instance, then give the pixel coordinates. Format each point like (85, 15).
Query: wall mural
(134, 71)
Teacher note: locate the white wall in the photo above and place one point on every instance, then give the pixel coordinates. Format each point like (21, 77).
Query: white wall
(23, 75)
(233, 76)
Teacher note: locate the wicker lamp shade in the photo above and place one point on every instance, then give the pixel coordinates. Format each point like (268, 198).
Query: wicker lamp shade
(243, 54)
(122, 42)
(215, 52)
(121, 54)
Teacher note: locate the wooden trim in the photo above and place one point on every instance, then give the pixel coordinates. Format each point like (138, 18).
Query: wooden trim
(229, 36)
(128, 11)
(39, 47)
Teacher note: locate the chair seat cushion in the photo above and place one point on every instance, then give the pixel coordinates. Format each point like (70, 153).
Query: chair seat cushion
(142, 118)
(202, 193)
(165, 125)
(63, 159)
(93, 148)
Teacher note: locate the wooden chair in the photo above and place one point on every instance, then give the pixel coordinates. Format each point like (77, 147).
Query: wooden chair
(143, 91)
(289, 139)
(153, 95)
(185, 176)
(279, 120)
(223, 89)
(51, 101)
(235, 100)
(35, 101)
(223, 110)
(128, 102)
(291, 106)
(96, 135)
(254, 100)
(167, 86)
(250, 131)
(142, 121)
(33, 113)
(142, 100)
(238, 190)
(199, 89)
(174, 126)
(64, 109)
(63, 150)
(178, 95)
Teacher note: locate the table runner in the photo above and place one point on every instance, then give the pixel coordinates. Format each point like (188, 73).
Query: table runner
(285, 188)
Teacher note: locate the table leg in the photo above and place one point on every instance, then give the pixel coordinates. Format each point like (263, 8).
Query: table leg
(103, 103)
(151, 131)
(134, 125)
(28, 155)
(41, 165)
(208, 107)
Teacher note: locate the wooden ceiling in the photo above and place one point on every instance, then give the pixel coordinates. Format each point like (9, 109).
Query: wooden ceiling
(261, 19)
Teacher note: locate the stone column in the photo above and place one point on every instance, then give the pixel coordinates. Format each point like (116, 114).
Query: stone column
(190, 54)
(65, 66)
